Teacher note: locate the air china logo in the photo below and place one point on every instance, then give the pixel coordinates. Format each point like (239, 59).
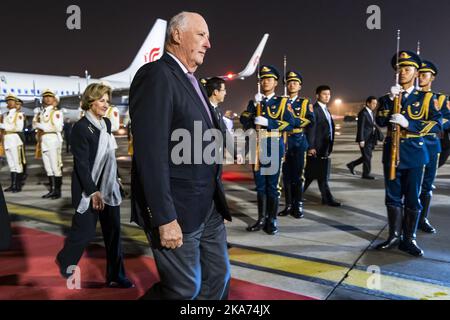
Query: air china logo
(153, 55)
(256, 61)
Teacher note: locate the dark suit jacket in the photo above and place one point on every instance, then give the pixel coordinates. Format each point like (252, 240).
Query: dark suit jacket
(366, 127)
(84, 143)
(162, 100)
(319, 133)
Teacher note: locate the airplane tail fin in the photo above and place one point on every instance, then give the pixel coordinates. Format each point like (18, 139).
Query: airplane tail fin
(151, 50)
(254, 61)
(252, 64)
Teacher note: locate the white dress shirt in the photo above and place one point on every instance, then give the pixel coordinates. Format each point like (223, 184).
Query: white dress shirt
(328, 115)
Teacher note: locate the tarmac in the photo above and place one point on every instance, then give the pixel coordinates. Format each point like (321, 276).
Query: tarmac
(328, 255)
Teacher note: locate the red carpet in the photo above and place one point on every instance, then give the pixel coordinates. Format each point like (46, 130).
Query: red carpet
(233, 176)
(28, 271)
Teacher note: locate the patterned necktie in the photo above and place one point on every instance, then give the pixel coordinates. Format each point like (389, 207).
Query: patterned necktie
(196, 86)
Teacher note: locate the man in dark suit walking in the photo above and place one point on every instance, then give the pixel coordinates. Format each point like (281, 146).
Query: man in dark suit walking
(321, 140)
(366, 137)
(177, 196)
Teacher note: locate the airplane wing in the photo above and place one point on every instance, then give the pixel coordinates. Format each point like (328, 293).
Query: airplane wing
(252, 64)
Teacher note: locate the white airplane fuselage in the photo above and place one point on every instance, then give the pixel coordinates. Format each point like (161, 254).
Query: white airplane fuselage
(28, 86)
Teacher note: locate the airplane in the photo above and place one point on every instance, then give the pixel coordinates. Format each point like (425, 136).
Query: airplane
(28, 87)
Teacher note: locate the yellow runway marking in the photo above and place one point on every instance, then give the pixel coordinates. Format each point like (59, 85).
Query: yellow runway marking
(294, 266)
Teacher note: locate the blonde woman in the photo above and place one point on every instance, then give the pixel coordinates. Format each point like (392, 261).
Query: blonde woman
(95, 189)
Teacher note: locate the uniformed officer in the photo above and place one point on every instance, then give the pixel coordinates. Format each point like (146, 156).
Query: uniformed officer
(275, 118)
(22, 137)
(418, 117)
(49, 123)
(427, 74)
(12, 125)
(294, 165)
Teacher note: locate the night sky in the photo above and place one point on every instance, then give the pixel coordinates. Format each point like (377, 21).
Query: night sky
(326, 40)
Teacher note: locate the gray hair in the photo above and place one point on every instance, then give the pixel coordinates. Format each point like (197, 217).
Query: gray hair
(180, 22)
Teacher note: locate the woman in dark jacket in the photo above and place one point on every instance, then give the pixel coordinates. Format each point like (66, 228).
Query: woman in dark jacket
(95, 189)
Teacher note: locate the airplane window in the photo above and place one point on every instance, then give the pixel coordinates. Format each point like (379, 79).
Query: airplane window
(12, 90)
(67, 92)
(26, 91)
(19, 90)
(4, 90)
(32, 91)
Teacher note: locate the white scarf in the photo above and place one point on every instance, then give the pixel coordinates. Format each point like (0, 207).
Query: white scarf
(105, 161)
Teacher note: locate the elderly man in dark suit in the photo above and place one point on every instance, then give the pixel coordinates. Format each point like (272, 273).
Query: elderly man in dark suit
(366, 137)
(180, 204)
(321, 139)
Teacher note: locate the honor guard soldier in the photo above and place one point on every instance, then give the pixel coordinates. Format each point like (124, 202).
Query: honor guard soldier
(49, 123)
(22, 136)
(12, 126)
(275, 118)
(427, 74)
(417, 116)
(297, 147)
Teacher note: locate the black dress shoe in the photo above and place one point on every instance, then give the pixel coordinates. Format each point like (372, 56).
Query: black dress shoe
(368, 177)
(332, 203)
(351, 168)
(121, 284)
(62, 272)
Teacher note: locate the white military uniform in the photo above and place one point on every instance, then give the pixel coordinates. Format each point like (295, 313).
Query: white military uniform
(13, 122)
(51, 123)
(113, 115)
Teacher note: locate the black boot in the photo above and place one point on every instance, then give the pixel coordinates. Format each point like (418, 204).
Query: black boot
(57, 191)
(288, 196)
(297, 212)
(408, 244)
(18, 183)
(272, 209)
(24, 174)
(424, 223)
(13, 178)
(262, 209)
(51, 180)
(395, 218)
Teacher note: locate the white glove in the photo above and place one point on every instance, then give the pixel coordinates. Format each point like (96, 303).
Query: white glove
(2, 126)
(400, 120)
(261, 121)
(362, 144)
(259, 97)
(395, 91)
(39, 126)
(36, 111)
